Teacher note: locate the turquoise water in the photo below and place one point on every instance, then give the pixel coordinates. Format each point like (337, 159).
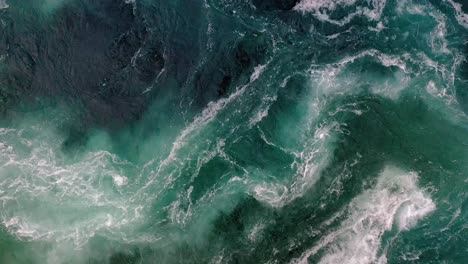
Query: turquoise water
(221, 131)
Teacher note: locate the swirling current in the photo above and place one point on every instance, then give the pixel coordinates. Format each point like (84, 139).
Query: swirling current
(233, 131)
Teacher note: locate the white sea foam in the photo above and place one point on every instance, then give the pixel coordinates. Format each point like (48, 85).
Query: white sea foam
(329, 79)
(119, 180)
(263, 110)
(395, 200)
(271, 193)
(410, 7)
(285, 150)
(431, 88)
(461, 17)
(321, 9)
(41, 192)
(386, 60)
(256, 231)
(259, 116)
(380, 26)
(351, 107)
(440, 77)
(311, 160)
(202, 120)
(257, 71)
(438, 41)
(3, 4)
(315, 5)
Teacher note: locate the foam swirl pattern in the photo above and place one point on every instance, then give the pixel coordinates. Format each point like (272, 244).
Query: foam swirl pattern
(220, 131)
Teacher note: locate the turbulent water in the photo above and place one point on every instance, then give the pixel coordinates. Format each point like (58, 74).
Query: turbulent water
(233, 131)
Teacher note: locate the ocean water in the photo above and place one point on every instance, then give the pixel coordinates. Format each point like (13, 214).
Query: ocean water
(233, 131)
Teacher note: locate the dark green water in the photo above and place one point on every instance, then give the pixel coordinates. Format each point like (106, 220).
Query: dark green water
(233, 131)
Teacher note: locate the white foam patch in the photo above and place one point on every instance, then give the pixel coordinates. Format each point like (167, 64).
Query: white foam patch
(168, 167)
(461, 17)
(441, 76)
(431, 88)
(316, 5)
(263, 110)
(311, 160)
(321, 9)
(395, 200)
(257, 71)
(330, 80)
(438, 41)
(119, 180)
(3, 4)
(45, 198)
(333, 69)
(380, 26)
(256, 231)
(410, 7)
